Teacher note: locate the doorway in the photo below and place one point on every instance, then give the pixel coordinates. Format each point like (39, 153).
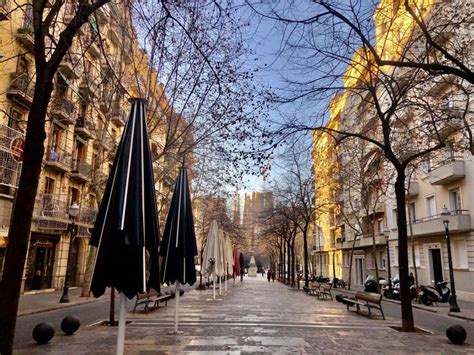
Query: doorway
(359, 270)
(436, 265)
(40, 263)
(73, 267)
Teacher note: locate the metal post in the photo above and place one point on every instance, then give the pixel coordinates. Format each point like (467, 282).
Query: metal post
(389, 271)
(453, 304)
(65, 296)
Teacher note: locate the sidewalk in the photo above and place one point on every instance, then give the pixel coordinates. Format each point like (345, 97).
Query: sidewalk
(255, 316)
(31, 303)
(467, 308)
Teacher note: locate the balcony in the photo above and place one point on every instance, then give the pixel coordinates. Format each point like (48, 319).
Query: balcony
(21, 90)
(24, 36)
(459, 221)
(69, 67)
(63, 110)
(447, 171)
(84, 127)
(58, 159)
(87, 216)
(377, 208)
(51, 211)
(412, 189)
(119, 117)
(80, 171)
(87, 89)
(368, 241)
(4, 9)
(91, 46)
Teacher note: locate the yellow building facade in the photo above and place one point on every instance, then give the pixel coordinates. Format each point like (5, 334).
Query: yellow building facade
(86, 116)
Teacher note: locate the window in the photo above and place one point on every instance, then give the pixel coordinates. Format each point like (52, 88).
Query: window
(379, 228)
(15, 120)
(73, 195)
(430, 206)
(395, 217)
(412, 211)
(382, 259)
(48, 185)
(459, 250)
(455, 200)
(373, 261)
(395, 256)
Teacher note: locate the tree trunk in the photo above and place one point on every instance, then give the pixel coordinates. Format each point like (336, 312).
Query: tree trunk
(374, 256)
(293, 264)
(350, 261)
(281, 262)
(22, 213)
(305, 258)
(288, 247)
(86, 292)
(112, 307)
(408, 324)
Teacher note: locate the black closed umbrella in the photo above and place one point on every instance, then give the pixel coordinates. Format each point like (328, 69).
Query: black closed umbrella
(178, 247)
(126, 231)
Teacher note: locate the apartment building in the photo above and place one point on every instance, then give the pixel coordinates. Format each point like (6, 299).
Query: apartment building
(86, 116)
(356, 224)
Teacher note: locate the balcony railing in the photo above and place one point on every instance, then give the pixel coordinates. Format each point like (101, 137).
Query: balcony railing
(80, 170)
(58, 159)
(64, 110)
(84, 127)
(52, 206)
(459, 221)
(4, 9)
(11, 151)
(24, 36)
(87, 215)
(21, 89)
(447, 171)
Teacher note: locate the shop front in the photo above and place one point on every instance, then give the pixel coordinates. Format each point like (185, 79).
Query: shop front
(40, 262)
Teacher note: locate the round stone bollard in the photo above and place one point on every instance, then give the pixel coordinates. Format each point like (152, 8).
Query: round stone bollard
(456, 334)
(70, 325)
(43, 332)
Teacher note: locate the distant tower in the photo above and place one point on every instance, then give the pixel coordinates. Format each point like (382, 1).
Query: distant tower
(236, 217)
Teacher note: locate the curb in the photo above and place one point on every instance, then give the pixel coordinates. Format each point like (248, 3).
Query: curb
(54, 308)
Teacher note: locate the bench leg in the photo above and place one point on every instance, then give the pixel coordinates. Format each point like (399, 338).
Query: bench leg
(381, 311)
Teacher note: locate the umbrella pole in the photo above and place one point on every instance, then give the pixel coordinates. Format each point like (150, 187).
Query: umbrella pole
(176, 311)
(213, 285)
(121, 326)
(220, 286)
(225, 280)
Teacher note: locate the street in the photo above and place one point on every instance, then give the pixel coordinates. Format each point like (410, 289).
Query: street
(253, 316)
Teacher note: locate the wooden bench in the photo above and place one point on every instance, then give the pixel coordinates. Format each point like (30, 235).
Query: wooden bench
(324, 291)
(313, 288)
(366, 299)
(151, 297)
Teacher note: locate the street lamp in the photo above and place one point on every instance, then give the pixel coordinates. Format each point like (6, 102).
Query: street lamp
(73, 213)
(453, 304)
(386, 233)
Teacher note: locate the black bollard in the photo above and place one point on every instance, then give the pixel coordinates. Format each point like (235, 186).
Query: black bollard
(70, 325)
(43, 332)
(456, 334)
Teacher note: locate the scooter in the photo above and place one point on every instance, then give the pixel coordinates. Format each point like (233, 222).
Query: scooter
(370, 284)
(440, 293)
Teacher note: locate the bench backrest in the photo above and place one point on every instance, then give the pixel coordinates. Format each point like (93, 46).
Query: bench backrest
(326, 287)
(314, 284)
(369, 297)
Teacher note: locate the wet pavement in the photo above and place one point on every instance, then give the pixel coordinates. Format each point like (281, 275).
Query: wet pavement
(254, 316)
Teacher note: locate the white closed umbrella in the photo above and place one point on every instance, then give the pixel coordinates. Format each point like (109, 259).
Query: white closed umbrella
(212, 252)
(223, 257)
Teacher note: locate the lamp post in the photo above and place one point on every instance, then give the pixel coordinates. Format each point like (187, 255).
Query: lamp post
(73, 213)
(386, 233)
(453, 304)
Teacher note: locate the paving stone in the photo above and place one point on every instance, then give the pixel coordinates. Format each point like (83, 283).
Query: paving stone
(255, 317)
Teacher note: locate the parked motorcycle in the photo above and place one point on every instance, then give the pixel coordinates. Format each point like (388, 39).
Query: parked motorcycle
(370, 284)
(440, 293)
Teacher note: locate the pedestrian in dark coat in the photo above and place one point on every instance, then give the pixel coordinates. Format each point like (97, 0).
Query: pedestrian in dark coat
(273, 276)
(269, 274)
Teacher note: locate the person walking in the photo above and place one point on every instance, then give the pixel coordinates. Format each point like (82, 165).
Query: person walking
(269, 274)
(273, 276)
